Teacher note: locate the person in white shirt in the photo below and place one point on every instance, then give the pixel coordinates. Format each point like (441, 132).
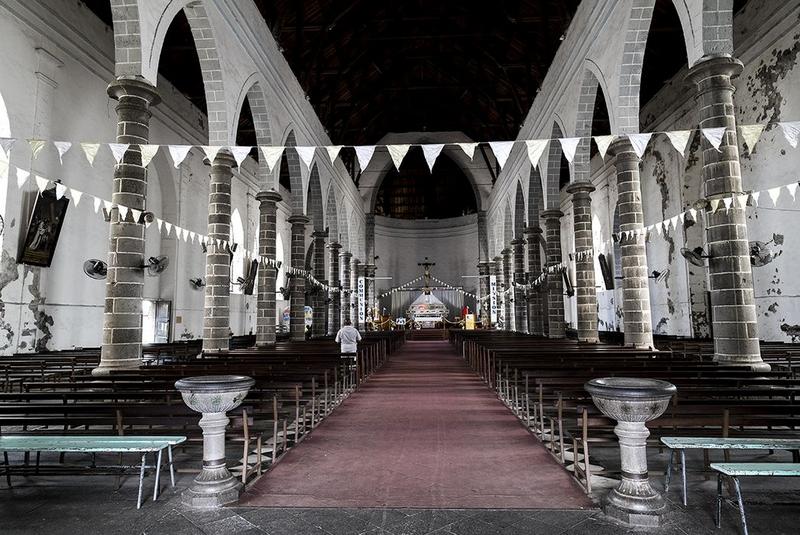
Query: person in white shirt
(348, 338)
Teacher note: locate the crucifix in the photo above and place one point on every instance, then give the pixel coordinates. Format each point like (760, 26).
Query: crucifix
(426, 272)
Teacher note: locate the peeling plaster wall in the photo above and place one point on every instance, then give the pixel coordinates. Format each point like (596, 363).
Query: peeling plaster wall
(766, 91)
(60, 307)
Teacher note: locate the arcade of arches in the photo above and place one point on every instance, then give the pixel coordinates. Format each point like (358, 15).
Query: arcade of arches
(507, 200)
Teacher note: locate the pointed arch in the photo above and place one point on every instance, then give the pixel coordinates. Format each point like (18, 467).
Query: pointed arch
(535, 198)
(315, 210)
(519, 212)
(292, 162)
(332, 216)
(254, 95)
(585, 119)
(554, 164)
(508, 225)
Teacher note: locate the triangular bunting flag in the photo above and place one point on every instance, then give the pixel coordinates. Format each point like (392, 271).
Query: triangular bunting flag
(501, 150)
(22, 177)
(639, 142)
(714, 205)
(741, 201)
(569, 145)
(41, 183)
(240, 153)
(6, 143)
(714, 135)
(36, 146)
(755, 195)
(774, 193)
(137, 215)
(178, 153)
(333, 151)
(62, 147)
(118, 150)
(159, 222)
(148, 153)
(468, 148)
(364, 154)
(431, 151)
(76, 195)
(397, 152)
(90, 150)
(211, 152)
(306, 155)
(184, 234)
(107, 206)
(791, 131)
(751, 133)
(792, 189)
(679, 140)
(271, 156)
(123, 212)
(168, 226)
(191, 236)
(727, 202)
(96, 202)
(674, 221)
(535, 150)
(603, 143)
(61, 189)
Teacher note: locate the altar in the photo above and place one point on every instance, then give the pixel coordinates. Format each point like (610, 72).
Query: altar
(427, 311)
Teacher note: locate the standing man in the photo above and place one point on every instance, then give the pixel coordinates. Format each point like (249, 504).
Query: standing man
(348, 338)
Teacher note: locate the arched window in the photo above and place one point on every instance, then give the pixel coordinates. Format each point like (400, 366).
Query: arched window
(237, 262)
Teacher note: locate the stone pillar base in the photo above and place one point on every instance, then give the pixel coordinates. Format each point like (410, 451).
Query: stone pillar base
(214, 487)
(636, 504)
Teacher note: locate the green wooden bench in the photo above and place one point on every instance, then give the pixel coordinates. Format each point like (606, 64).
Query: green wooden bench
(681, 444)
(97, 444)
(734, 471)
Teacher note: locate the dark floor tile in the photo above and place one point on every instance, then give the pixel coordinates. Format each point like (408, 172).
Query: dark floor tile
(291, 525)
(472, 526)
(428, 520)
(173, 523)
(261, 516)
(501, 517)
(228, 526)
(384, 518)
(561, 519)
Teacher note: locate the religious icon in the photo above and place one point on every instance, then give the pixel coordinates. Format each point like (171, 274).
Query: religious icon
(44, 229)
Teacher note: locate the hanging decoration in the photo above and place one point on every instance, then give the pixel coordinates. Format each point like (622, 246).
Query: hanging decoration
(431, 151)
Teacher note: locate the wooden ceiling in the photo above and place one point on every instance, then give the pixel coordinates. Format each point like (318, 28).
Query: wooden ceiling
(372, 67)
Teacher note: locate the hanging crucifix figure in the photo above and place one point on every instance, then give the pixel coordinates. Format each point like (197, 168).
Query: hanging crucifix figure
(426, 273)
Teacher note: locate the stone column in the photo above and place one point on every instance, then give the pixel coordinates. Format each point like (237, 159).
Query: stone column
(318, 328)
(369, 274)
(555, 284)
(335, 303)
(344, 261)
(535, 319)
(731, 279)
(497, 267)
(520, 304)
(585, 291)
(355, 270)
(484, 271)
(507, 279)
(122, 319)
(216, 310)
(635, 283)
(297, 313)
(267, 233)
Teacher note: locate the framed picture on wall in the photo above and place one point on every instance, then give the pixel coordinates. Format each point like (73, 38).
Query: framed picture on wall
(43, 229)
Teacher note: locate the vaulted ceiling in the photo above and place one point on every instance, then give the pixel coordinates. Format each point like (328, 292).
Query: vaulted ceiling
(371, 67)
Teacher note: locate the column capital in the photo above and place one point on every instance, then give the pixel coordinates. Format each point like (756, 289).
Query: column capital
(268, 196)
(224, 158)
(346, 255)
(517, 242)
(319, 234)
(334, 246)
(134, 87)
(532, 231)
(620, 145)
(552, 214)
(505, 252)
(299, 219)
(577, 188)
(713, 66)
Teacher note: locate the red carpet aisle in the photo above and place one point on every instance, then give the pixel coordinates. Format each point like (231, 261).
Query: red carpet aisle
(422, 432)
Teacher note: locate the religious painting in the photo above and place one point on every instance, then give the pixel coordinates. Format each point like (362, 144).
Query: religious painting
(44, 229)
(251, 278)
